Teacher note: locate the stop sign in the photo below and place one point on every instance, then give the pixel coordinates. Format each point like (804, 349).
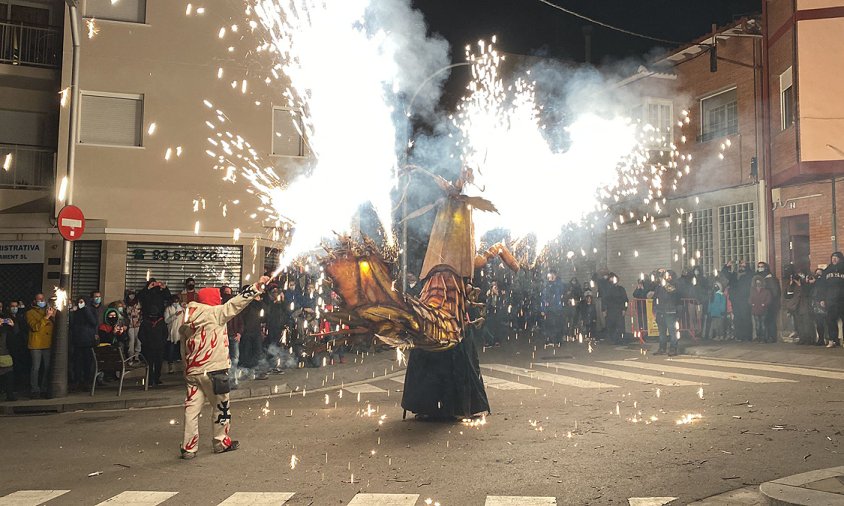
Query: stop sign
(71, 223)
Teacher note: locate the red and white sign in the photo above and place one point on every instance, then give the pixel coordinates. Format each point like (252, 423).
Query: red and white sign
(71, 223)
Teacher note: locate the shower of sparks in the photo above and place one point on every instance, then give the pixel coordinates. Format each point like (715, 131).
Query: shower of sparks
(689, 418)
(501, 129)
(91, 25)
(321, 113)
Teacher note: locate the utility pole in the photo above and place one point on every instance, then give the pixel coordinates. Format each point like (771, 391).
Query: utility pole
(58, 380)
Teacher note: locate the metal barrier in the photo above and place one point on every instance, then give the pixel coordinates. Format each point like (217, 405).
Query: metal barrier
(35, 46)
(29, 167)
(641, 320)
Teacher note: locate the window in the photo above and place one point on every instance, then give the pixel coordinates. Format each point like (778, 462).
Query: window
(657, 113)
(697, 231)
(209, 265)
(287, 133)
(111, 119)
(736, 231)
(786, 99)
(719, 115)
(131, 11)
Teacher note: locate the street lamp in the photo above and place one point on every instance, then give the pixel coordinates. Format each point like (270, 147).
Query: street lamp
(406, 172)
(58, 380)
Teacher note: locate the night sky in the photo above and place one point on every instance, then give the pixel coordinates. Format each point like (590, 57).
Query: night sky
(533, 28)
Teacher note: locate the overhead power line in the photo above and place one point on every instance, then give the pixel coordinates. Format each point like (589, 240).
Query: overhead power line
(611, 27)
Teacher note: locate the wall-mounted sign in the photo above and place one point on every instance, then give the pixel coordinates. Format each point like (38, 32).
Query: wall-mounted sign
(21, 252)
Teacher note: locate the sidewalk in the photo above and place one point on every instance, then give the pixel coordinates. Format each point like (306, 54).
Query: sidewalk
(824, 487)
(358, 368)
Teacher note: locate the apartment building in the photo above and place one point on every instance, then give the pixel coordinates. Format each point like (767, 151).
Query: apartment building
(805, 128)
(153, 201)
(716, 213)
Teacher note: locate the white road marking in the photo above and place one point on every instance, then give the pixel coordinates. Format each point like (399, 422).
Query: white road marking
(544, 376)
(30, 497)
(507, 500)
(760, 366)
(663, 367)
(650, 501)
(501, 384)
(365, 388)
(384, 500)
(630, 376)
(139, 498)
(257, 499)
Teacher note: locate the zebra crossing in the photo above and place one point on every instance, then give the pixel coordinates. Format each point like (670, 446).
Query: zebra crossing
(153, 498)
(608, 374)
(676, 372)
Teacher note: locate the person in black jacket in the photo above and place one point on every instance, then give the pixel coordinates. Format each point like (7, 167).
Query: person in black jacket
(815, 284)
(772, 316)
(667, 303)
(833, 296)
(740, 282)
(154, 298)
(615, 305)
(83, 338)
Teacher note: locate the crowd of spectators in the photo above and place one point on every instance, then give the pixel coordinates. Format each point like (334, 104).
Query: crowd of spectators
(736, 303)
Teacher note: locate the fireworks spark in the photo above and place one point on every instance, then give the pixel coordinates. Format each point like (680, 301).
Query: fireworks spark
(7, 161)
(689, 418)
(91, 25)
(61, 299)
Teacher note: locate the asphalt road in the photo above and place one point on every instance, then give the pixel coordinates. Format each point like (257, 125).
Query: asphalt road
(578, 429)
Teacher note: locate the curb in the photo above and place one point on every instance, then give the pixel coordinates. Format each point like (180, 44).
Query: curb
(791, 490)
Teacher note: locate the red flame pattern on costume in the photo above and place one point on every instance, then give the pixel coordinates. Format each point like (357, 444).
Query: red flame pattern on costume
(193, 358)
(192, 445)
(191, 394)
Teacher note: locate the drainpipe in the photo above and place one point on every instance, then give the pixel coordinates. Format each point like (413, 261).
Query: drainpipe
(58, 380)
(766, 139)
(834, 218)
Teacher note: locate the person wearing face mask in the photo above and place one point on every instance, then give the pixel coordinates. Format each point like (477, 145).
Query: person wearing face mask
(133, 325)
(173, 316)
(833, 296)
(153, 332)
(83, 338)
(772, 284)
(189, 294)
(739, 282)
(97, 305)
(40, 320)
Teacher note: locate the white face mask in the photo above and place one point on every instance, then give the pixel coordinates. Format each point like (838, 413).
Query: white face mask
(81, 305)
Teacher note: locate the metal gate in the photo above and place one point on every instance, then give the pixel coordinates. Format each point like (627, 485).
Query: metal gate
(209, 265)
(85, 277)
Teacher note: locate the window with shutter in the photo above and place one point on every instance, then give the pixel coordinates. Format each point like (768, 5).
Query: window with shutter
(115, 120)
(131, 11)
(209, 265)
(287, 133)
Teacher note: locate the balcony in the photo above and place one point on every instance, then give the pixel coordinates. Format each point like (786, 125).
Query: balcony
(31, 46)
(25, 167)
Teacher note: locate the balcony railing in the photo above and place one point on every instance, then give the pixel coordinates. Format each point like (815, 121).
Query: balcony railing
(34, 46)
(29, 167)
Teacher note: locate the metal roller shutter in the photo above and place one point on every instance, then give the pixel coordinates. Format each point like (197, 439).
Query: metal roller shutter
(209, 265)
(653, 248)
(85, 274)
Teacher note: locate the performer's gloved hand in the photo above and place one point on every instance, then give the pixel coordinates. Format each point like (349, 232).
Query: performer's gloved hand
(259, 287)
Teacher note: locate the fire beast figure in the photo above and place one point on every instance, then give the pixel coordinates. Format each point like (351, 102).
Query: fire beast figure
(205, 348)
(443, 378)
